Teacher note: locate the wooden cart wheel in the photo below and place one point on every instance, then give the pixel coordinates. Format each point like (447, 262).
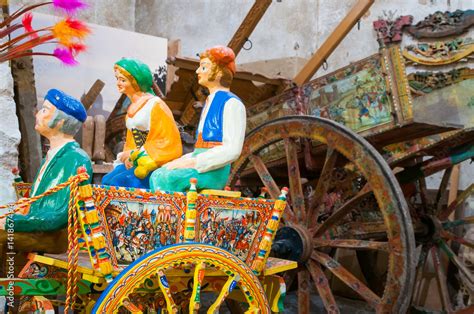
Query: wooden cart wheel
(169, 263)
(342, 195)
(446, 245)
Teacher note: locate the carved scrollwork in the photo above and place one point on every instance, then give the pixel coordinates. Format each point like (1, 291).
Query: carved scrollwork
(443, 24)
(439, 53)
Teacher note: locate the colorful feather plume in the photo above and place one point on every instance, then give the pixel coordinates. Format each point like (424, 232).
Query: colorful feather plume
(69, 30)
(68, 33)
(65, 55)
(70, 6)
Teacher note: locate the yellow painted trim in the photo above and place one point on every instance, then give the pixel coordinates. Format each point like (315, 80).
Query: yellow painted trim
(439, 61)
(279, 269)
(87, 273)
(221, 193)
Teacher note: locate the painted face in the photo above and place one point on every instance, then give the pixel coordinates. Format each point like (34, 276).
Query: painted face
(204, 71)
(43, 117)
(124, 86)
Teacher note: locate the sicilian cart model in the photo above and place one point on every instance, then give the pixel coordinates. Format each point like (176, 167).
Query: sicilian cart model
(133, 251)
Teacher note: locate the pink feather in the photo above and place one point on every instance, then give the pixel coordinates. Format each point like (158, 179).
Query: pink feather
(70, 6)
(65, 55)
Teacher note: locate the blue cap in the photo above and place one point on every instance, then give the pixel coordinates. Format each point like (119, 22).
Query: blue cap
(67, 104)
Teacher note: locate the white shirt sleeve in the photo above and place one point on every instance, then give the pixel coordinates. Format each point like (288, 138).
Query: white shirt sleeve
(233, 136)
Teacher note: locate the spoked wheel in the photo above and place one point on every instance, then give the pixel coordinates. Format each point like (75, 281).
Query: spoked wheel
(343, 198)
(446, 247)
(167, 267)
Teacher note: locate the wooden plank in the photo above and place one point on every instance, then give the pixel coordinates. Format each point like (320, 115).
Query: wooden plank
(332, 41)
(174, 49)
(248, 25)
(26, 101)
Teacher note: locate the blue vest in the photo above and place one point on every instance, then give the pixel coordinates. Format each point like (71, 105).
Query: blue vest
(212, 127)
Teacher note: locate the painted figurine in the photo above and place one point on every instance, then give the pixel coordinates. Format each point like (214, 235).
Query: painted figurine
(153, 138)
(220, 133)
(43, 226)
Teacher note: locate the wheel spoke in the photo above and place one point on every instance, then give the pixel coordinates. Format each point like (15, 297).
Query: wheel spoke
(352, 244)
(441, 279)
(423, 192)
(442, 189)
(443, 215)
(303, 291)
(420, 270)
(322, 285)
(342, 211)
(322, 186)
(463, 221)
(230, 284)
(165, 288)
(452, 237)
(296, 188)
(195, 302)
(347, 277)
(455, 260)
(131, 307)
(270, 184)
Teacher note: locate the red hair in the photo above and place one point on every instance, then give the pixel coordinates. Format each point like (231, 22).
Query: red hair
(223, 60)
(222, 55)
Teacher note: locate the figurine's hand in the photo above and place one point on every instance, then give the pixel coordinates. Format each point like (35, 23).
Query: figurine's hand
(181, 163)
(124, 156)
(2, 223)
(128, 164)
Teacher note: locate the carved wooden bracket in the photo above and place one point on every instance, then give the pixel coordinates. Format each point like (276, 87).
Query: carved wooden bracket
(389, 31)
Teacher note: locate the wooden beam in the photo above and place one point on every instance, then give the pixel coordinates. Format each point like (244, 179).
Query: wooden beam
(193, 64)
(332, 41)
(25, 98)
(248, 25)
(174, 49)
(89, 98)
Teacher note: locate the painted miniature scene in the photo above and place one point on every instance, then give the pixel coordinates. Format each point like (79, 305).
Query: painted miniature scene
(254, 156)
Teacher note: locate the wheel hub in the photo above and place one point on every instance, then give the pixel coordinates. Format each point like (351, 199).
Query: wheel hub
(293, 243)
(432, 229)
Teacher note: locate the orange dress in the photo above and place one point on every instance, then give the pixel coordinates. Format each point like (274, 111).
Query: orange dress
(162, 140)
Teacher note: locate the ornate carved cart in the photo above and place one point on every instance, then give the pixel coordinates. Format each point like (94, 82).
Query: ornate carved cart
(142, 252)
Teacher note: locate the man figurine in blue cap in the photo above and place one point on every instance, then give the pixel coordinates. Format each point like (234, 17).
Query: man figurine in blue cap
(43, 227)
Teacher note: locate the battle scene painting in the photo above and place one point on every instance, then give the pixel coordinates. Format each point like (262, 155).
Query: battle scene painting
(232, 230)
(137, 228)
(358, 99)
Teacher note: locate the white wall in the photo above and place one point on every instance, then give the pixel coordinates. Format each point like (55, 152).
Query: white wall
(289, 28)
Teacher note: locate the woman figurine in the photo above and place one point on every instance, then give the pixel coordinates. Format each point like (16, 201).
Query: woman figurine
(153, 138)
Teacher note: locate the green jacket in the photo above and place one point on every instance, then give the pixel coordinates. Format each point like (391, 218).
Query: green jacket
(51, 212)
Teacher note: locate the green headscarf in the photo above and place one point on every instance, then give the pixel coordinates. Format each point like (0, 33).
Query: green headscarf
(139, 71)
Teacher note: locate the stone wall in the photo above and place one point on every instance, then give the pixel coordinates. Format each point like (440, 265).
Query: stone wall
(9, 134)
(113, 13)
(289, 28)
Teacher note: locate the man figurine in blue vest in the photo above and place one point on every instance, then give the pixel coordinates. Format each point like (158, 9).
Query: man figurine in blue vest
(220, 133)
(42, 227)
